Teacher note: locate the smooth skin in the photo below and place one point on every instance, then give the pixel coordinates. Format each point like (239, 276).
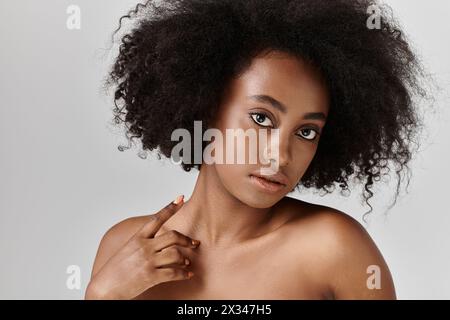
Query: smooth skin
(253, 244)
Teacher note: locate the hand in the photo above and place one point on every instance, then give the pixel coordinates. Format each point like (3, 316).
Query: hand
(145, 260)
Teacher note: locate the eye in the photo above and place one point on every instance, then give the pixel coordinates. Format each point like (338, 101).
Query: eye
(261, 119)
(309, 133)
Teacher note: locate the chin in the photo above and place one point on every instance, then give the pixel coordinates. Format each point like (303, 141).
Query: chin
(260, 201)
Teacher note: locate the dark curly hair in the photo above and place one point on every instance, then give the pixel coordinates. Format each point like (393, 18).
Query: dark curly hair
(178, 57)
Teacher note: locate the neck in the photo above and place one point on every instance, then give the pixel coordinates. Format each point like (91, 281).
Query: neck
(217, 217)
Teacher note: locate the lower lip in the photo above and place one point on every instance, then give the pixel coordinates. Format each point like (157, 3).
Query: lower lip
(266, 185)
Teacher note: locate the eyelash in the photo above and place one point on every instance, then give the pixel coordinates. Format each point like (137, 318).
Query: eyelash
(267, 116)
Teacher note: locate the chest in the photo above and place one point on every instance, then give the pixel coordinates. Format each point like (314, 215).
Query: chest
(259, 271)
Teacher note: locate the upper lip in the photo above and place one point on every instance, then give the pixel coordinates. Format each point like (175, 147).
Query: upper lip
(277, 177)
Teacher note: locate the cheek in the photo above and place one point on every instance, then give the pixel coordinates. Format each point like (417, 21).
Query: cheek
(234, 142)
(303, 154)
(302, 158)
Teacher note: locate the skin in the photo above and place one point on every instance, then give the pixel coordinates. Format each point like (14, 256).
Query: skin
(253, 244)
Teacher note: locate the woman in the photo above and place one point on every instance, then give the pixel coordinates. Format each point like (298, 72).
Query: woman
(337, 89)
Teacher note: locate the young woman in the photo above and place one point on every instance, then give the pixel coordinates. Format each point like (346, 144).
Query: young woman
(338, 88)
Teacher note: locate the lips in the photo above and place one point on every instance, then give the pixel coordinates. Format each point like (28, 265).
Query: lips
(265, 185)
(278, 178)
(272, 183)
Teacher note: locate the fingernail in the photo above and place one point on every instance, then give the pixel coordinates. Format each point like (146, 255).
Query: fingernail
(195, 242)
(178, 199)
(186, 261)
(190, 274)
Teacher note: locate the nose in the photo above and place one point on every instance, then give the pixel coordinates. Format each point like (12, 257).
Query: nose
(284, 151)
(277, 148)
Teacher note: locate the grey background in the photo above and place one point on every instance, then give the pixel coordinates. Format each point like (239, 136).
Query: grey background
(64, 183)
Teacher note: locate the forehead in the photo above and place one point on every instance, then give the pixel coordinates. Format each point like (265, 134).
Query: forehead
(288, 79)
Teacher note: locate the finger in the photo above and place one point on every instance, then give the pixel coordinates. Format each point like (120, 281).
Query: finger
(171, 256)
(158, 219)
(173, 274)
(173, 237)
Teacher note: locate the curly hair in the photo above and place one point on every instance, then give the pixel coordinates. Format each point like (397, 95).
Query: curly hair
(178, 57)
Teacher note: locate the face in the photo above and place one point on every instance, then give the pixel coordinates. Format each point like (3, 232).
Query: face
(281, 92)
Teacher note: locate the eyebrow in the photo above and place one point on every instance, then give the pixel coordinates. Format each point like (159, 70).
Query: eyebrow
(278, 105)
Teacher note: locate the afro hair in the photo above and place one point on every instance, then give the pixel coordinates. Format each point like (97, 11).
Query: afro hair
(179, 55)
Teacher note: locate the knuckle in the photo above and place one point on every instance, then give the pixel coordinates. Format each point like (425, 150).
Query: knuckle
(171, 273)
(149, 265)
(151, 248)
(174, 234)
(177, 256)
(148, 251)
(180, 273)
(176, 274)
(173, 252)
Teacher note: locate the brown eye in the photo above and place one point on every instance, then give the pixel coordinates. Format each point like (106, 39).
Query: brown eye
(261, 119)
(308, 134)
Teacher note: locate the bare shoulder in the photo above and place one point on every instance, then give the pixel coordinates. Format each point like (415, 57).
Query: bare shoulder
(345, 254)
(116, 237)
